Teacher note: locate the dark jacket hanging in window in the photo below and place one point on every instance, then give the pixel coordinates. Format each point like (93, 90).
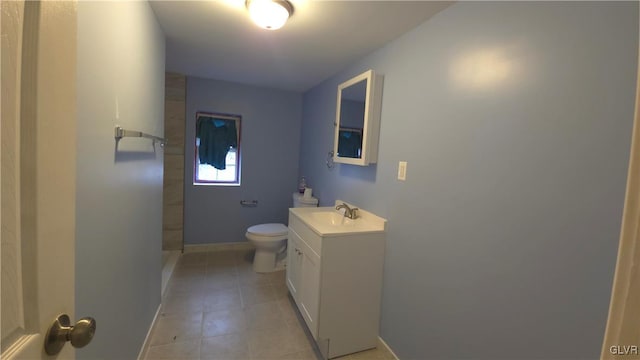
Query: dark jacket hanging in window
(216, 138)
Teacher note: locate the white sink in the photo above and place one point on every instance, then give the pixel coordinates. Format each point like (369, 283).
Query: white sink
(327, 221)
(332, 218)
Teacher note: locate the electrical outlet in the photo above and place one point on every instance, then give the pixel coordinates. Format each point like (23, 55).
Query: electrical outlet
(402, 170)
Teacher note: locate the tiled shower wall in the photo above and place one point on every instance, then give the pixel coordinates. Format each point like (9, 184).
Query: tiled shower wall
(173, 195)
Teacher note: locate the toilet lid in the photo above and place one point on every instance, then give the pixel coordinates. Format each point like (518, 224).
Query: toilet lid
(269, 230)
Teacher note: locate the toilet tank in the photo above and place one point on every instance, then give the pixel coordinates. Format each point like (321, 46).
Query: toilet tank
(300, 201)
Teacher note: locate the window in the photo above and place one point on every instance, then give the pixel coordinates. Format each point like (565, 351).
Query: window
(217, 149)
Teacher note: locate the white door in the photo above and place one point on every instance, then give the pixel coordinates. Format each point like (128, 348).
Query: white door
(37, 173)
(622, 335)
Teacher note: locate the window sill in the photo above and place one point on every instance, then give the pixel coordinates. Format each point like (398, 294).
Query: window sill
(215, 184)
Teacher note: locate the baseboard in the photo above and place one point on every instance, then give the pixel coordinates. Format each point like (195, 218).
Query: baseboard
(382, 343)
(145, 344)
(245, 245)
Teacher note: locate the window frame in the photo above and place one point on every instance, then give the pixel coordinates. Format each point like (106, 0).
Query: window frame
(196, 160)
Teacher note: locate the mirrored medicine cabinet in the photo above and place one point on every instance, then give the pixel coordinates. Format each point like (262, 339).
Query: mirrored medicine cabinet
(357, 125)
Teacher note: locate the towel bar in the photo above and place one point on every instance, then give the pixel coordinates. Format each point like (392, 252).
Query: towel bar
(249, 203)
(120, 133)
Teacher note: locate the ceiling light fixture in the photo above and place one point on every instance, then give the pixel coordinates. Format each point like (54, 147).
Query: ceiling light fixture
(269, 14)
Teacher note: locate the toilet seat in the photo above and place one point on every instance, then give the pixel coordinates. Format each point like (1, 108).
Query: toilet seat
(268, 232)
(269, 229)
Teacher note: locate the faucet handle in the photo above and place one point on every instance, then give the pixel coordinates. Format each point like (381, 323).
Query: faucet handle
(354, 213)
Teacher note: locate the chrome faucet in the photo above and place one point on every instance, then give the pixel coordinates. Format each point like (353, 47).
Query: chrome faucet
(348, 212)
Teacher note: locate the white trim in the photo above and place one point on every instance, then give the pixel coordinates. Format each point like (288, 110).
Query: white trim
(23, 348)
(245, 245)
(382, 343)
(145, 344)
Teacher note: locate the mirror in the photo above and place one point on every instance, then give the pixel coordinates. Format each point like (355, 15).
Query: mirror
(358, 120)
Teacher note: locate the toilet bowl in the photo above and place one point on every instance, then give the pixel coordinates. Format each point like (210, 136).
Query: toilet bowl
(270, 240)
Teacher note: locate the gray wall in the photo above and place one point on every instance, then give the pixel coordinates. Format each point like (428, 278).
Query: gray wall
(119, 194)
(515, 119)
(270, 138)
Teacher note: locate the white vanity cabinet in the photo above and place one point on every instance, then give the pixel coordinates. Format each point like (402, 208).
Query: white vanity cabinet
(336, 282)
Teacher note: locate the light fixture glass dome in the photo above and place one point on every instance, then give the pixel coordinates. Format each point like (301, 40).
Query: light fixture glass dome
(269, 14)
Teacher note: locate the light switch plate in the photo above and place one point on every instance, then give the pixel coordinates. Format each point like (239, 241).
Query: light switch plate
(402, 170)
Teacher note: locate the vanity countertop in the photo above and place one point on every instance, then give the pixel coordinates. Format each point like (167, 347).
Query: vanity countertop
(327, 221)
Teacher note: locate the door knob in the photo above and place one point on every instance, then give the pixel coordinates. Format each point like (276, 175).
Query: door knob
(61, 331)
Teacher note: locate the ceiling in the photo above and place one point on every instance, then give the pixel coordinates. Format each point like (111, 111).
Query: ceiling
(217, 40)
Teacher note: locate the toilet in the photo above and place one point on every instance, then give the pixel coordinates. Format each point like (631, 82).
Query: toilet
(270, 239)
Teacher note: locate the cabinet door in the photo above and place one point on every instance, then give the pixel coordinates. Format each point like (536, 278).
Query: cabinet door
(309, 292)
(294, 261)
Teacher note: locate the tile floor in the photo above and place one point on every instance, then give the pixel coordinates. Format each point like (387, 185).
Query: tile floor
(217, 307)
